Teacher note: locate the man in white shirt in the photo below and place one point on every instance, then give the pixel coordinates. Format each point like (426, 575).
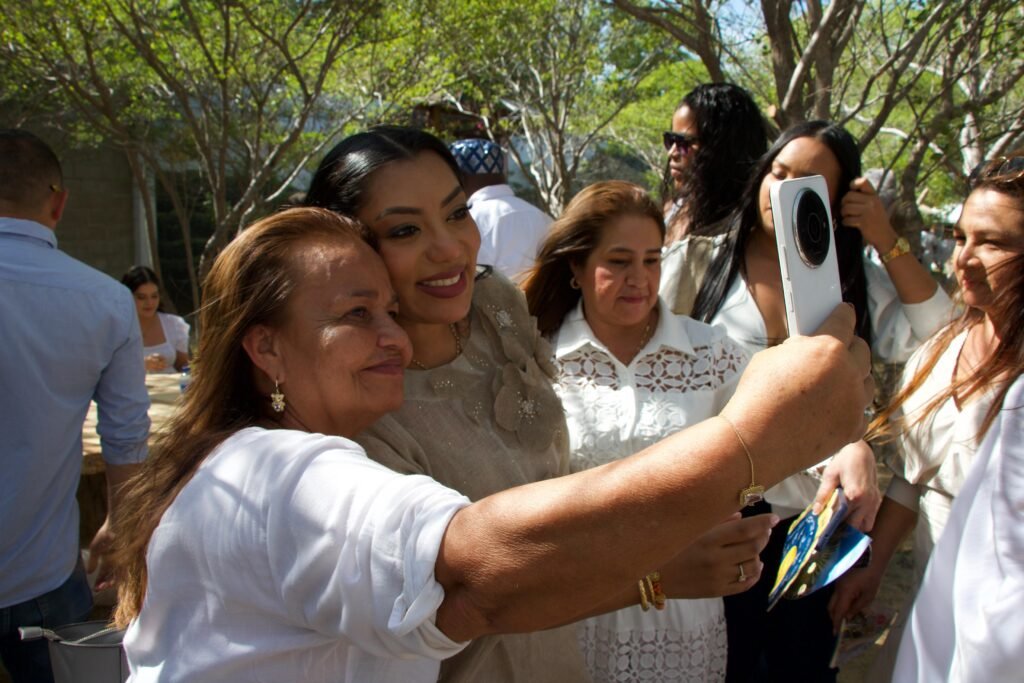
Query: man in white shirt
(511, 229)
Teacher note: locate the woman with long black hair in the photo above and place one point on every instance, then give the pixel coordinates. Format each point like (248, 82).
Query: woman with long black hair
(737, 283)
(718, 134)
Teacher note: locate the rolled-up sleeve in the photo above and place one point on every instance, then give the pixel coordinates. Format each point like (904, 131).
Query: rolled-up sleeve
(353, 546)
(122, 402)
(903, 492)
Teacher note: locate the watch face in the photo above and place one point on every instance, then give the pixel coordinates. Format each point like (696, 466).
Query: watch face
(899, 249)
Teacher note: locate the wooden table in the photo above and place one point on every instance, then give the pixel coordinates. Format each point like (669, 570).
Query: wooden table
(163, 395)
(92, 487)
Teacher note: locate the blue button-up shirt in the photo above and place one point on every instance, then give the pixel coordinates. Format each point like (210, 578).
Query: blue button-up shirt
(68, 334)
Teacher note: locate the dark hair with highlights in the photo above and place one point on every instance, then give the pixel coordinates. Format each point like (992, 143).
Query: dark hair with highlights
(732, 135)
(340, 181)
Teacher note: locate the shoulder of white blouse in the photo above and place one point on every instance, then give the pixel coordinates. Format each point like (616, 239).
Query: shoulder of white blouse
(176, 329)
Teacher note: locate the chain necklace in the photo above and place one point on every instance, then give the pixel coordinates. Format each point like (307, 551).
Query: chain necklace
(645, 337)
(458, 347)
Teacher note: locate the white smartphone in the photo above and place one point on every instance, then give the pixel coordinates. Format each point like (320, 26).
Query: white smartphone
(807, 252)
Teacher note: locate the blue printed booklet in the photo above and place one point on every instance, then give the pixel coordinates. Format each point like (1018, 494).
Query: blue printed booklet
(818, 550)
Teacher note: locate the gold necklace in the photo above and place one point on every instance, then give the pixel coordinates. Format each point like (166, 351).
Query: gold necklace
(645, 337)
(458, 347)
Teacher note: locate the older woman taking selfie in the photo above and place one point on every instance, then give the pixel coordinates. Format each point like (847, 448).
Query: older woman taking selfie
(480, 413)
(259, 542)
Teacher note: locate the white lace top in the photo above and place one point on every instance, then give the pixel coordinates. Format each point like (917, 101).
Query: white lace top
(685, 374)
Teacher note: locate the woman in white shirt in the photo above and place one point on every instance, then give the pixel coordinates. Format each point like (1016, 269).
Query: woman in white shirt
(629, 374)
(259, 543)
(164, 336)
(966, 626)
(734, 280)
(953, 388)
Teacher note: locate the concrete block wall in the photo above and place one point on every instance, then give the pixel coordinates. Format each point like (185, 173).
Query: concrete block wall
(97, 227)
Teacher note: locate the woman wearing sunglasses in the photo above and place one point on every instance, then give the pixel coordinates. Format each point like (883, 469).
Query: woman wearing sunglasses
(717, 135)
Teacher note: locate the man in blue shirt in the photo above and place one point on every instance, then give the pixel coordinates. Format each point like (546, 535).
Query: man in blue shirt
(68, 335)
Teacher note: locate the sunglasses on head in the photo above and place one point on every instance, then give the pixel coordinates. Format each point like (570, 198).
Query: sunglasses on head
(683, 142)
(996, 169)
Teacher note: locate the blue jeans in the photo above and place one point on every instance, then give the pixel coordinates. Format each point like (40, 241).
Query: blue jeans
(69, 603)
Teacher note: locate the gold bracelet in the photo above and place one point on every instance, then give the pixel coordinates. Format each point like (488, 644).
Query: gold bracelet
(755, 492)
(644, 605)
(657, 595)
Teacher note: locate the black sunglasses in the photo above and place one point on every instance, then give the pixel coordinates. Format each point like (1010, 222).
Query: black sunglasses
(682, 141)
(1000, 166)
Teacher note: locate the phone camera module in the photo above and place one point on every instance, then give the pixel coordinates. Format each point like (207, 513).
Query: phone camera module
(812, 228)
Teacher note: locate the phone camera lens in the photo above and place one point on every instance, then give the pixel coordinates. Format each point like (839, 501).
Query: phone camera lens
(812, 227)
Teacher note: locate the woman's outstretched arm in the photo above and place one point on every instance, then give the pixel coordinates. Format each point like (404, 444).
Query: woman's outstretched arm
(543, 554)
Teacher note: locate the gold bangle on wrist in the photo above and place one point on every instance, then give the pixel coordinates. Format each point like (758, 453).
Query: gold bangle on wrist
(901, 247)
(755, 492)
(644, 603)
(657, 595)
(650, 592)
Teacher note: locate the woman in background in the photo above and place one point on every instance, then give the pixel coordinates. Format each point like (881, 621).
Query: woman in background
(164, 336)
(717, 136)
(629, 374)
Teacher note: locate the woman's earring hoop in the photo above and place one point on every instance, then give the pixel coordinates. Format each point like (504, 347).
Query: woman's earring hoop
(277, 399)
(573, 283)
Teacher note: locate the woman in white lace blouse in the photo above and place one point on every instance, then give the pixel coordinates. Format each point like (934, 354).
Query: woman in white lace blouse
(631, 373)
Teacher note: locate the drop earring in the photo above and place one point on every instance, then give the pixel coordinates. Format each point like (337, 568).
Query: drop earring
(277, 399)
